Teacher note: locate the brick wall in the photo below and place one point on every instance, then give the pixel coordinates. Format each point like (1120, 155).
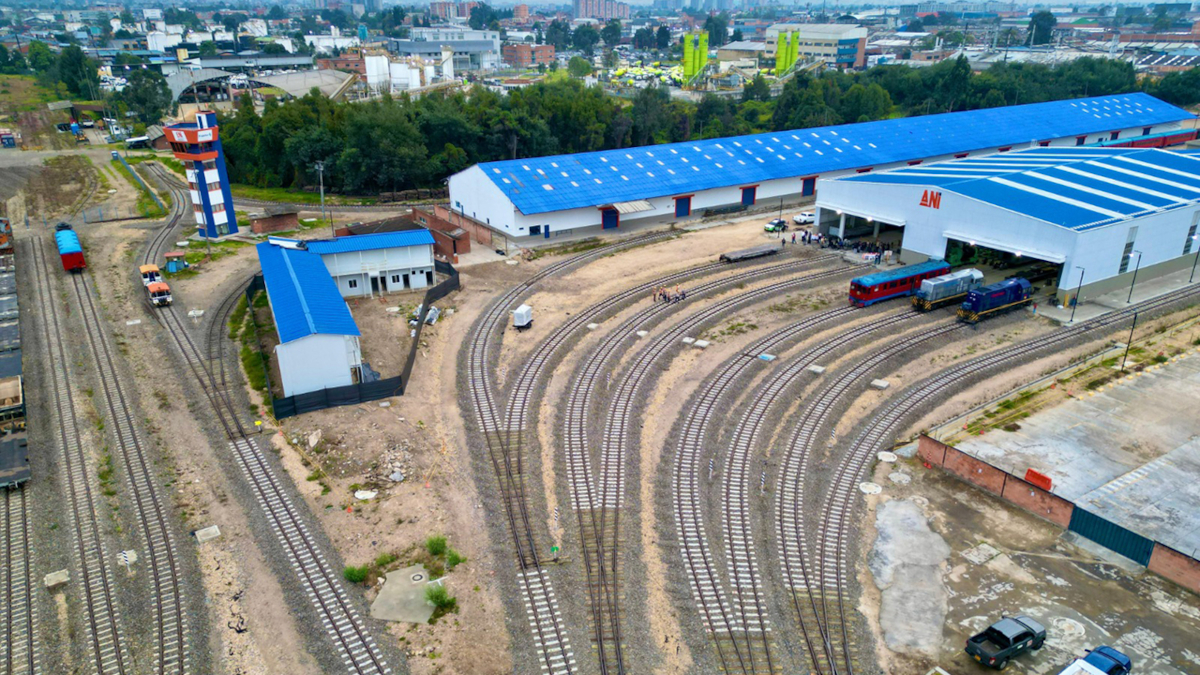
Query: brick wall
(479, 232)
(1029, 497)
(278, 223)
(444, 245)
(1173, 565)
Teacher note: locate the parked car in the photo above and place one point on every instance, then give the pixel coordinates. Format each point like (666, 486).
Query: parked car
(805, 218)
(777, 225)
(1100, 661)
(1007, 638)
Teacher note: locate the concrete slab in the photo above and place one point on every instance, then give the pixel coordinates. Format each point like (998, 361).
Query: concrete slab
(816, 370)
(880, 384)
(402, 597)
(700, 344)
(207, 534)
(1145, 289)
(689, 340)
(56, 579)
(643, 333)
(1130, 453)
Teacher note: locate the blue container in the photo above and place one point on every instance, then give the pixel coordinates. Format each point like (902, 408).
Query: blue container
(67, 242)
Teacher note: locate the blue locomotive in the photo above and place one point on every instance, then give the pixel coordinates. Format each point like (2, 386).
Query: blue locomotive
(989, 300)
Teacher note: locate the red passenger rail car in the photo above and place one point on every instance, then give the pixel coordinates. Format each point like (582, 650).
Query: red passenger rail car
(902, 281)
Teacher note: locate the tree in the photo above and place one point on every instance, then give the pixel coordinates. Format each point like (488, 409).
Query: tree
(146, 94)
(1041, 28)
(127, 18)
(127, 59)
(232, 21)
(738, 36)
(866, 104)
(756, 89)
(78, 73)
(717, 26)
(40, 57)
(208, 48)
(274, 48)
(915, 26)
(643, 38)
(276, 13)
(663, 37)
(585, 39)
(579, 66)
(611, 33)
(482, 16)
(558, 33)
(611, 59)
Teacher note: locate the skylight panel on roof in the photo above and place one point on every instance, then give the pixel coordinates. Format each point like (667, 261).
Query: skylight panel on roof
(819, 152)
(638, 165)
(857, 148)
(598, 181)
(650, 174)
(814, 135)
(683, 159)
(780, 156)
(624, 177)
(574, 184)
(564, 174)
(832, 132)
(548, 186)
(872, 145)
(718, 165)
(787, 147)
(707, 157)
(604, 159)
(775, 139)
(671, 172)
(695, 168)
(613, 168)
(807, 145)
(649, 154)
(525, 166)
(760, 160)
(628, 156)
(554, 164)
(660, 162)
(826, 142)
(837, 149)
(673, 152)
(506, 180)
(588, 171)
(741, 162)
(495, 170)
(737, 144)
(696, 148)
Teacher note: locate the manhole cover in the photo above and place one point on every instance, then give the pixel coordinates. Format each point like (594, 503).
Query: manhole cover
(418, 577)
(870, 488)
(886, 456)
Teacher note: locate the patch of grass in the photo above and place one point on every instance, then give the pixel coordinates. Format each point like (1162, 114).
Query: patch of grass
(440, 598)
(436, 545)
(355, 575)
(296, 197)
(25, 94)
(581, 246)
(237, 317)
(385, 559)
(454, 559)
(146, 206)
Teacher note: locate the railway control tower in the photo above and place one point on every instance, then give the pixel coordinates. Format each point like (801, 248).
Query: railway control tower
(198, 145)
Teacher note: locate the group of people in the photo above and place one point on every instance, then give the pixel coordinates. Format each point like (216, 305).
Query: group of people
(669, 296)
(830, 241)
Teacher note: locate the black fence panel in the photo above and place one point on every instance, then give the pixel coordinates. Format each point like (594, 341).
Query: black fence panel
(434, 294)
(336, 396)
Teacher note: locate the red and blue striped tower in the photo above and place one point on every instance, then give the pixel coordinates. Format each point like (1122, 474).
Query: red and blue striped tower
(198, 145)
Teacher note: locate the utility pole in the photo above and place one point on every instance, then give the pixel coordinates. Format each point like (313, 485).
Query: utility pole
(1075, 302)
(1128, 342)
(1134, 280)
(320, 166)
(1195, 237)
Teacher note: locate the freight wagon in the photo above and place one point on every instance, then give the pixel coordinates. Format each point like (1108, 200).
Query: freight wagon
(990, 300)
(945, 289)
(69, 249)
(902, 281)
(749, 253)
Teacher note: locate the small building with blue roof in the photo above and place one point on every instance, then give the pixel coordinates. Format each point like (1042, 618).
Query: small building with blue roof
(523, 199)
(307, 283)
(1101, 214)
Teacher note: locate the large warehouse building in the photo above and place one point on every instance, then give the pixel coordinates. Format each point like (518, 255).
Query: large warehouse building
(1098, 215)
(542, 197)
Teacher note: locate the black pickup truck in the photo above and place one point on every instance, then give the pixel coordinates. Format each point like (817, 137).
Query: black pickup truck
(1005, 639)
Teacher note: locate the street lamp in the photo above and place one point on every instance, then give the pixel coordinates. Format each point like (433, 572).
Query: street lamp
(1194, 238)
(320, 167)
(1075, 302)
(1134, 279)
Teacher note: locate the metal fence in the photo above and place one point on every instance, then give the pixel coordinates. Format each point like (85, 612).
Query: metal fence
(431, 296)
(1111, 536)
(138, 178)
(106, 212)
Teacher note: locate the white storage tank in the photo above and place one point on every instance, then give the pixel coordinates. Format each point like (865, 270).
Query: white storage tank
(522, 317)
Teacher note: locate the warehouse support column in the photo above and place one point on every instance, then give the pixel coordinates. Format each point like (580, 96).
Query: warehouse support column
(875, 233)
(842, 226)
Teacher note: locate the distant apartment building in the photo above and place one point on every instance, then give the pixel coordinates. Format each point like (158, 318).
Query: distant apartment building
(838, 45)
(527, 56)
(449, 11)
(521, 13)
(351, 62)
(449, 34)
(601, 9)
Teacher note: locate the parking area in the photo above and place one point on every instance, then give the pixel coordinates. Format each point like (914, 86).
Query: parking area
(1004, 561)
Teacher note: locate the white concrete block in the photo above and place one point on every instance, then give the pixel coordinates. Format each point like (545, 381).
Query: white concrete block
(880, 384)
(643, 333)
(593, 326)
(766, 357)
(208, 534)
(689, 340)
(816, 370)
(700, 344)
(56, 579)
(133, 322)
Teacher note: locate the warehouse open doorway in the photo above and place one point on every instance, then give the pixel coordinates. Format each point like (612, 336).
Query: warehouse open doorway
(998, 262)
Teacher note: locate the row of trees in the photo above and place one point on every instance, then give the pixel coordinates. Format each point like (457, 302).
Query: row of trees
(400, 144)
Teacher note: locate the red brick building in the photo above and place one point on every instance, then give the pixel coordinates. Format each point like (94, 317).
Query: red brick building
(521, 13)
(352, 62)
(527, 56)
(449, 239)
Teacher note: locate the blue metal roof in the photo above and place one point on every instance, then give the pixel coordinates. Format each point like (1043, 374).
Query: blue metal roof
(371, 242)
(900, 273)
(544, 184)
(1077, 188)
(304, 298)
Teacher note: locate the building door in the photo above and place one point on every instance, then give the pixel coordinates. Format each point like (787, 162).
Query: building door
(374, 285)
(609, 218)
(406, 282)
(429, 278)
(810, 187)
(383, 284)
(683, 207)
(748, 195)
(546, 232)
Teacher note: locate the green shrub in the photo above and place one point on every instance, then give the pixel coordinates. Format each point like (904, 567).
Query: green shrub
(436, 545)
(385, 559)
(355, 575)
(439, 597)
(454, 559)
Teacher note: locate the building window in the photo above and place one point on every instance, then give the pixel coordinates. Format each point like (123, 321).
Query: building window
(210, 165)
(395, 278)
(1080, 140)
(218, 208)
(1128, 251)
(352, 283)
(962, 155)
(1114, 135)
(914, 162)
(1190, 242)
(1145, 131)
(1006, 149)
(535, 229)
(1044, 144)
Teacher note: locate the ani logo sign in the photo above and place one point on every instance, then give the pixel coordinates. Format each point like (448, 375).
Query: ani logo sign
(931, 199)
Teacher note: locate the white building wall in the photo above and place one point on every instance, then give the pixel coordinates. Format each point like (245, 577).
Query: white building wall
(1160, 237)
(476, 195)
(317, 362)
(360, 267)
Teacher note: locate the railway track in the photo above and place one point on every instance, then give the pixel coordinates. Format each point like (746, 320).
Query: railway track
(162, 558)
(504, 446)
(332, 604)
(597, 507)
(724, 626)
(840, 499)
(106, 648)
(18, 621)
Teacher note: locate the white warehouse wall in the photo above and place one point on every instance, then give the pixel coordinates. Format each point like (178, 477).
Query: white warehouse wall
(361, 266)
(316, 362)
(474, 194)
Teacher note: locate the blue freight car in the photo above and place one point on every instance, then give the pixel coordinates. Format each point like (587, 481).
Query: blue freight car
(872, 288)
(945, 289)
(984, 302)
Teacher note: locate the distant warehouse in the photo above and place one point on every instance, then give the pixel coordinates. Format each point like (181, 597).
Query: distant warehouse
(540, 197)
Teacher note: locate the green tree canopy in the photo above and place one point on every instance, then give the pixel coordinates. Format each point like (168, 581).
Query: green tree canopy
(146, 94)
(611, 33)
(1041, 27)
(585, 39)
(579, 66)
